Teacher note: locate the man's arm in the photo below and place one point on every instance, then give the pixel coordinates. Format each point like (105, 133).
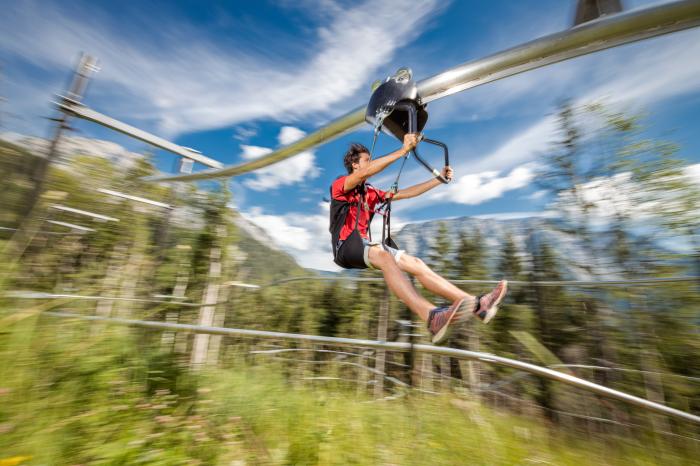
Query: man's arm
(375, 166)
(418, 189)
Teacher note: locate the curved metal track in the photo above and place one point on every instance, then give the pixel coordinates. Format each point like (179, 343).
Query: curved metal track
(606, 32)
(27, 294)
(403, 347)
(581, 283)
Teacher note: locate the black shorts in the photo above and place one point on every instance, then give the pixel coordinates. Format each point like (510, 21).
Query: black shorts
(354, 254)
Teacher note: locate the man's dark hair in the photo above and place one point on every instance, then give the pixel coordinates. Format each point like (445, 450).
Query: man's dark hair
(353, 155)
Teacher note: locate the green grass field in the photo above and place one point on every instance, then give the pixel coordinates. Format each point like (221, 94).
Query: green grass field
(80, 393)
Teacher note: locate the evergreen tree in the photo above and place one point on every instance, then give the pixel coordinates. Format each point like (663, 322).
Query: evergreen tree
(440, 257)
(512, 314)
(471, 256)
(566, 170)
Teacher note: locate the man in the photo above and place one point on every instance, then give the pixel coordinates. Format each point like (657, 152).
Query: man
(352, 248)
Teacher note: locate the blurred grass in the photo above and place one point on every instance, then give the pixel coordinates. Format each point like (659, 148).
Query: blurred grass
(74, 392)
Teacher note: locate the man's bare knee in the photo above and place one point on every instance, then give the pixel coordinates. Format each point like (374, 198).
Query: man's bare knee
(412, 264)
(379, 257)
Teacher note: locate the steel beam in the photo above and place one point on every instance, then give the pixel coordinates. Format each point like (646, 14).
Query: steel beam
(134, 198)
(606, 32)
(581, 283)
(71, 226)
(78, 110)
(403, 347)
(42, 295)
(84, 212)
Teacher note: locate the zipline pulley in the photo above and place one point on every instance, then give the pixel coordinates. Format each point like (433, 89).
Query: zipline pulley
(396, 108)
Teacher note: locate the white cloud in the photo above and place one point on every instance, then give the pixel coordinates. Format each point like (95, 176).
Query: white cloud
(287, 172)
(693, 173)
(469, 189)
(474, 188)
(194, 84)
(284, 234)
(293, 170)
(303, 236)
(243, 133)
(289, 134)
(253, 152)
(537, 195)
(481, 187)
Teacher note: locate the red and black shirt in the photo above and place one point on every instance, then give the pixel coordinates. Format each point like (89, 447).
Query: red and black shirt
(372, 198)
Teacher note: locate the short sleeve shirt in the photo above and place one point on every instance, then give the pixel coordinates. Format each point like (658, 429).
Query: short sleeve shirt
(373, 196)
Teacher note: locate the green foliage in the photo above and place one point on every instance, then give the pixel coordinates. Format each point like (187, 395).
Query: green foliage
(17, 165)
(111, 399)
(514, 314)
(441, 253)
(472, 256)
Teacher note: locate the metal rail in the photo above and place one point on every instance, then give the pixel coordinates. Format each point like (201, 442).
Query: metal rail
(27, 294)
(83, 212)
(633, 282)
(76, 109)
(42, 295)
(593, 36)
(72, 226)
(403, 347)
(624, 369)
(140, 199)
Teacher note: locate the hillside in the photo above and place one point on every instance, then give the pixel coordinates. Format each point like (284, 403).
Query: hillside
(261, 261)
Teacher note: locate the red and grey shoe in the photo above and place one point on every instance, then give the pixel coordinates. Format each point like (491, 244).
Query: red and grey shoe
(440, 321)
(487, 305)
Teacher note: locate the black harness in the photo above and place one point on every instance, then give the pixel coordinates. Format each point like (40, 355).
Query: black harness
(350, 253)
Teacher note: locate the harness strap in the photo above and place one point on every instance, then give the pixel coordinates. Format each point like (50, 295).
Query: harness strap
(386, 205)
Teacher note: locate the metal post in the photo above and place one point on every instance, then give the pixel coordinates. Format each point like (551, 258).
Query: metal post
(86, 65)
(29, 225)
(206, 314)
(380, 364)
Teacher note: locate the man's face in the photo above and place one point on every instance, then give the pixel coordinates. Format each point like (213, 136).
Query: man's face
(362, 163)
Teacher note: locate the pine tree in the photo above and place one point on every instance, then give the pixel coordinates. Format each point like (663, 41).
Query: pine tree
(513, 314)
(565, 171)
(440, 256)
(544, 301)
(470, 265)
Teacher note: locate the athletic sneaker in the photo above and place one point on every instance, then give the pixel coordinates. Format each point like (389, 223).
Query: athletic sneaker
(440, 320)
(487, 305)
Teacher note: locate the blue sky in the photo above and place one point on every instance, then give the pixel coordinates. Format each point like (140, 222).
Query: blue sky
(234, 79)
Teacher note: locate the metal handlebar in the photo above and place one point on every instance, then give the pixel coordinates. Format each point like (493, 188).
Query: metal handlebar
(410, 108)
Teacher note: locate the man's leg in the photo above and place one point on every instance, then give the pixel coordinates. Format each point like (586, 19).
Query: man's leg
(398, 283)
(431, 281)
(485, 309)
